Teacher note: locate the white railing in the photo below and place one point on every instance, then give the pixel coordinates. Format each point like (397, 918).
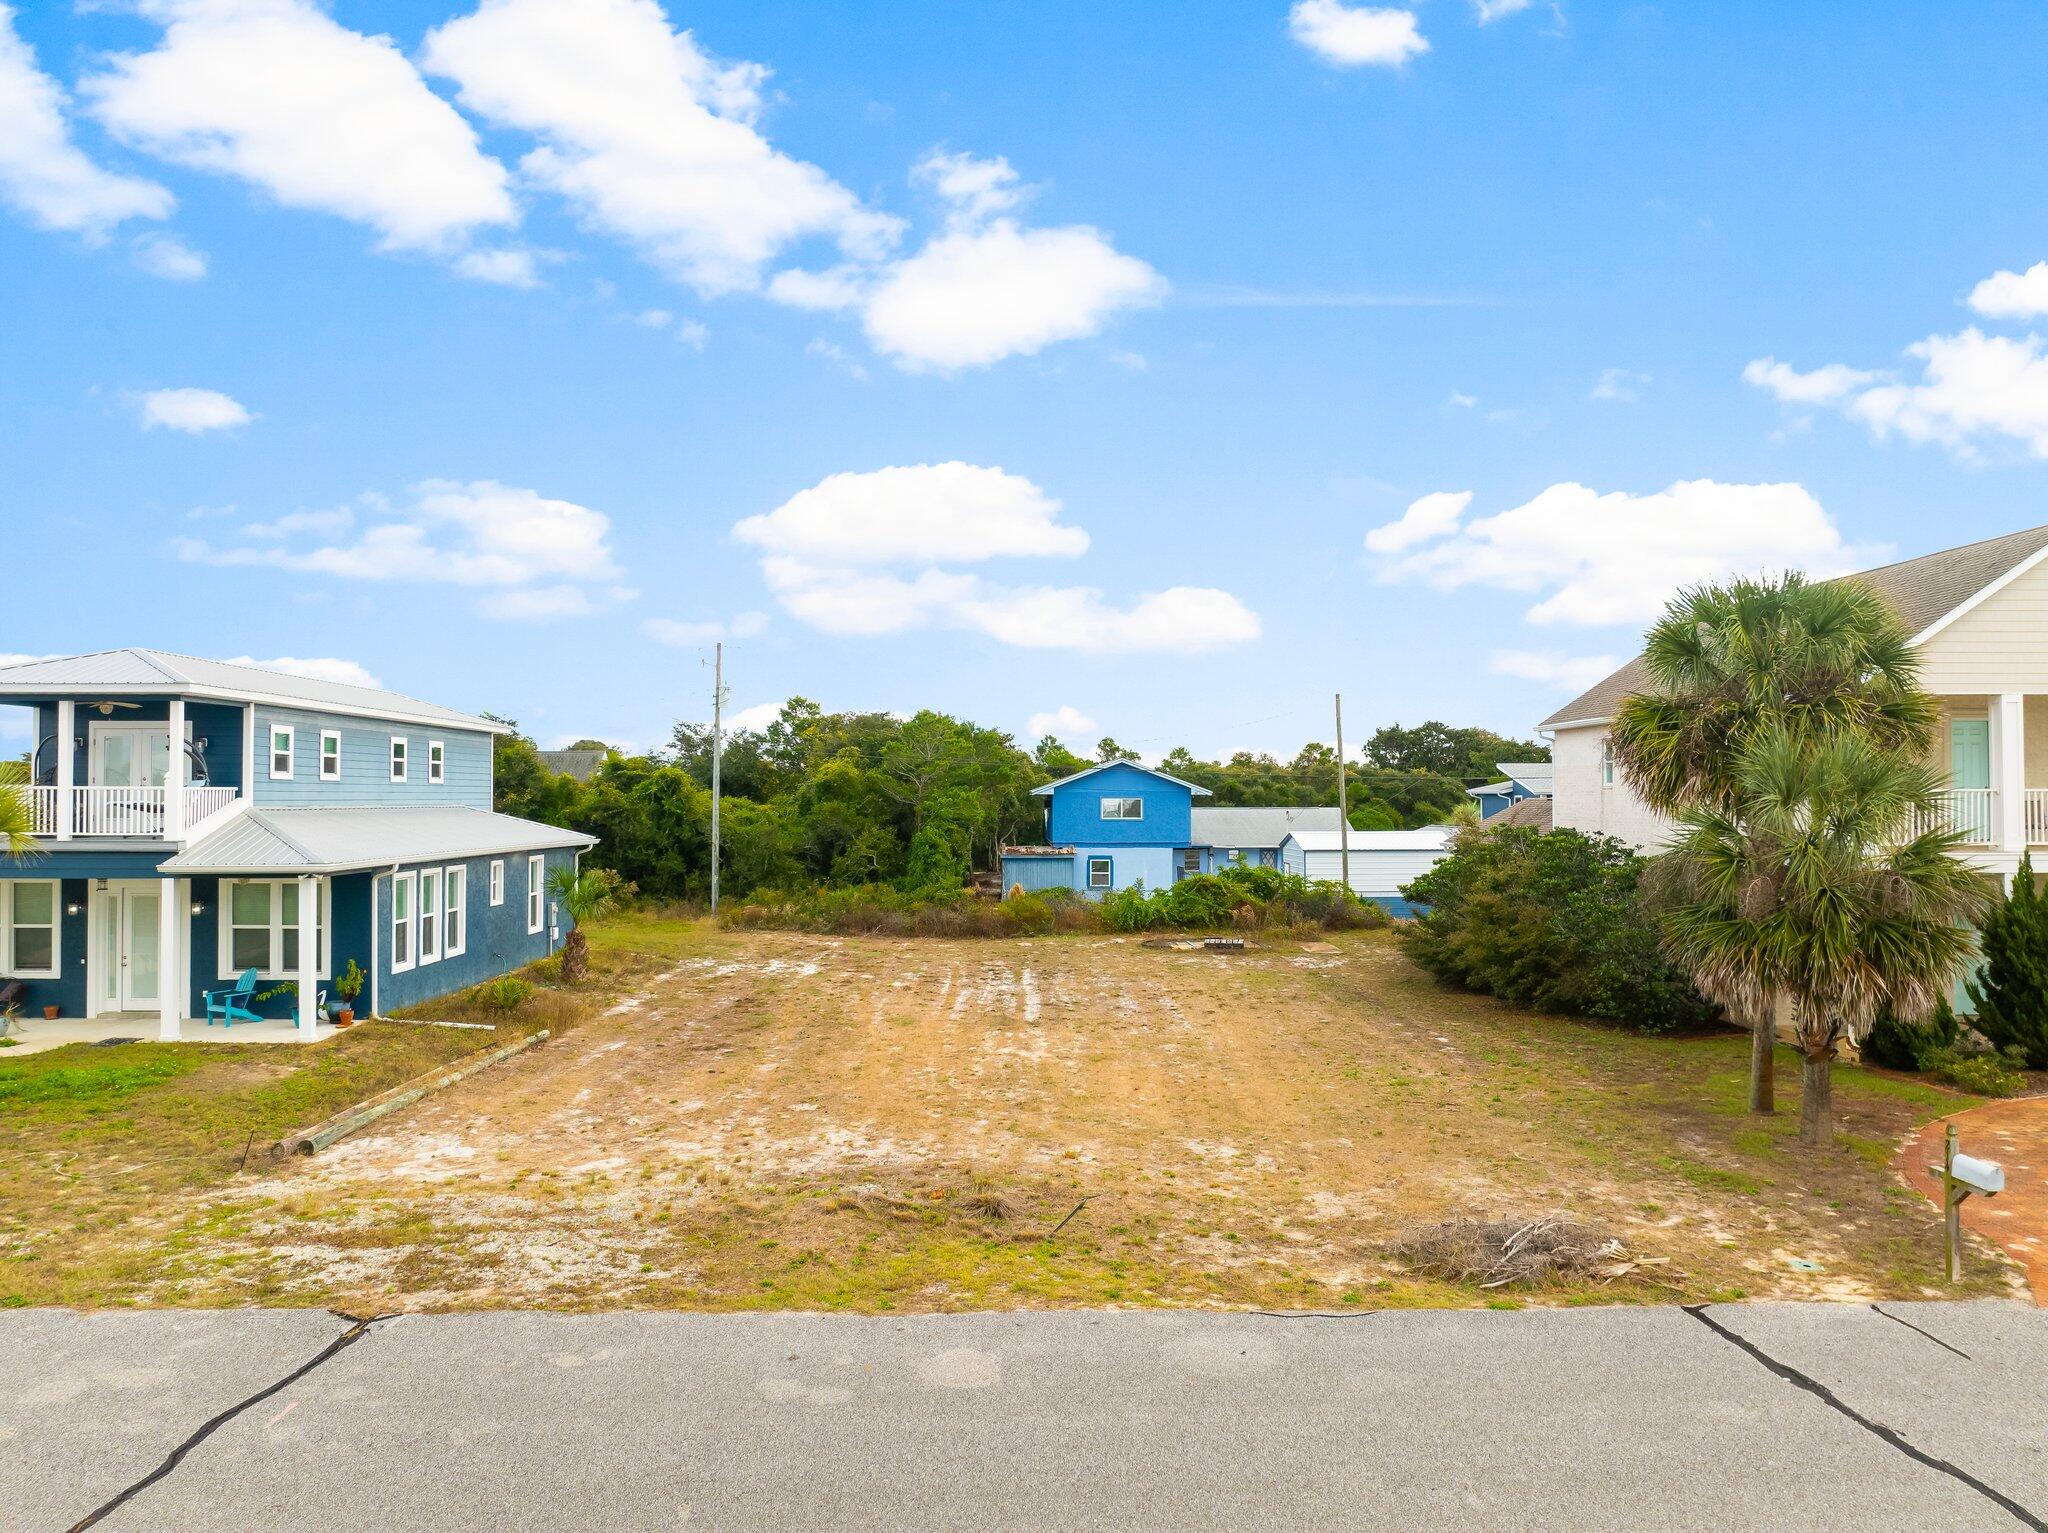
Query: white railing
(42, 808)
(117, 812)
(202, 803)
(1971, 813)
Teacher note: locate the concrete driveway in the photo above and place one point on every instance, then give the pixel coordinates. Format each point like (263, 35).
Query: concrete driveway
(1846, 1417)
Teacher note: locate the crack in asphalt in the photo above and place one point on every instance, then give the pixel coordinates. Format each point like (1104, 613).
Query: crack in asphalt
(1877, 1429)
(1959, 1352)
(358, 1325)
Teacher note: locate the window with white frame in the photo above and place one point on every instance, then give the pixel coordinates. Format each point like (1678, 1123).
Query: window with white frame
(1098, 873)
(28, 927)
(404, 894)
(330, 755)
(398, 758)
(280, 751)
(430, 915)
(259, 927)
(1123, 809)
(1607, 761)
(437, 761)
(536, 880)
(498, 882)
(455, 928)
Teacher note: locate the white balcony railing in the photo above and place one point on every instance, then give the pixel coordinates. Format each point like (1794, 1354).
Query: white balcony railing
(42, 809)
(1971, 813)
(203, 803)
(135, 812)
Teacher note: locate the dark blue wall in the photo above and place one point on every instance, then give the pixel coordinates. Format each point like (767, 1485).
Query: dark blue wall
(498, 940)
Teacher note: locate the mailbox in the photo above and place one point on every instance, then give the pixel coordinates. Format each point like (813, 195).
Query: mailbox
(1984, 1176)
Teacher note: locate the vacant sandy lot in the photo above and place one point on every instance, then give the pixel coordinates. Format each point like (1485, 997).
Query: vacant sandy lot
(775, 1120)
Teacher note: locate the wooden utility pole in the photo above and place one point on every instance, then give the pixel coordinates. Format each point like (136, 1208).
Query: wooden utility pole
(717, 746)
(1343, 808)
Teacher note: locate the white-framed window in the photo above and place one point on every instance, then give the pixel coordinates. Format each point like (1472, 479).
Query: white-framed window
(1123, 809)
(455, 928)
(330, 755)
(398, 758)
(1190, 861)
(405, 889)
(437, 761)
(1607, 762)
(430, 915)
(498, 882)
(536, 881)
(1098, 873)
(259, 927)
(280, 751)
(30, 936)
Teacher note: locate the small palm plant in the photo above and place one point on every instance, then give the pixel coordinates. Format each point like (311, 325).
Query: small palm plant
(1811, 885)
(16, 821)
(588, 895)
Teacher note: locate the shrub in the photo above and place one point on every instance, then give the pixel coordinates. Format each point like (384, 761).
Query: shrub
(2011, 991)
(505, 993)
(1900, 1045)
(1551, 920)
(1985, 1075)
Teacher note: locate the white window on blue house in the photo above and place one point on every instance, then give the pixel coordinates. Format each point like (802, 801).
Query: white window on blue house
(404, 893)
(330, 755)
(536, 880)
(498, 882)
(455, 929)
(281, 751)
(398, 758)
(430, 915)
(1123, 809)
(259, 927)
(28, 928)
(437, 760)
(1098, 873)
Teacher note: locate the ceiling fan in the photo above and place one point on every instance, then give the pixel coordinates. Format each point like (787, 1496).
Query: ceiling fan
(108, 706)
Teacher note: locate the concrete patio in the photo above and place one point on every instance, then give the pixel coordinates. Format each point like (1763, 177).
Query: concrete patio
(33, 1035)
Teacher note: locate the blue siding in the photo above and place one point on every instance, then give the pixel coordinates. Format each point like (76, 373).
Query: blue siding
(498, 940)
(218, 724)
(1076, 815)
(366, 762)
(1036, 874)
(1151, 866)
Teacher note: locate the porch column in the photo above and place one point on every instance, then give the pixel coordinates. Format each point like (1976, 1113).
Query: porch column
(2009, 769)
(172, 900)
(309, 956)
(174, 776)
(66, 725)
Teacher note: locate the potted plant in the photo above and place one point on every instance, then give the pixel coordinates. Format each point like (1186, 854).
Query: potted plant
(348, 985)
(51, 1012)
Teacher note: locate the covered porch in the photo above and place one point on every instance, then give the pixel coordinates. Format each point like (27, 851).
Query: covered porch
(36, 1035)
(1994, 752)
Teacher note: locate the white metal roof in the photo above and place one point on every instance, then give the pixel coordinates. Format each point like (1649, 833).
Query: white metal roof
(1260, 827)
(273, 841)
(1195, 788)
(1539, 777)
(1429, 838)
(156, 673)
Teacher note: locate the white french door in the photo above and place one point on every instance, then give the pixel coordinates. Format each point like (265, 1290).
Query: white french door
(125, 961)
(126, 768)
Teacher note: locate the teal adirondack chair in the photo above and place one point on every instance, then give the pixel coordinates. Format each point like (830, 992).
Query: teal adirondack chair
(228, 1007)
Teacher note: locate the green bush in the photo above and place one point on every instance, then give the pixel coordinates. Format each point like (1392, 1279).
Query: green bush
(1900, 1045)
(2010, 993)
(1985, 1075)
(502, 994)
(1554, 921)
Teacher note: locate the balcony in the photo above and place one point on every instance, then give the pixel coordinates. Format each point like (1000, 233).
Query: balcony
(118, 812)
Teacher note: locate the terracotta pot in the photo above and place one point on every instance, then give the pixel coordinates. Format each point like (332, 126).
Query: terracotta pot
(346, 1017)
(50, 1013)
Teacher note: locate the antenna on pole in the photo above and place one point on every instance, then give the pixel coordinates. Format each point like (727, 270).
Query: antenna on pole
(717, 749)
(1343, 810)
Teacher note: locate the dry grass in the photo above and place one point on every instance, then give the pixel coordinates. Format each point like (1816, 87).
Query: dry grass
(1548, 1251)
(780, 1120)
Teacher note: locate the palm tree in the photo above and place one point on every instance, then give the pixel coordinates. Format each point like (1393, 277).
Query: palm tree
(589, 894)
(15, 816)
(1818, 661)
(1813, 886)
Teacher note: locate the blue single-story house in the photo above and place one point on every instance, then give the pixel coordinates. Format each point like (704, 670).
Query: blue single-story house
(1519, 780)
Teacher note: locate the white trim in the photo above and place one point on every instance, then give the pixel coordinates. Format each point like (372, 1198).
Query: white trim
(433, 887)
(1126, 800)
(225, 928)
(1981, 595)
(410, 882)
(335, 736)
(170, 921)
(400, 758)
(56, 969)
(497, 881)
(1573, 724)
(248, 750)
(67, 764)
(536, 883)
(454, 910)
(1045, 789)
(291, 750)
(47, 691)
(1108, 872)
(437, 761)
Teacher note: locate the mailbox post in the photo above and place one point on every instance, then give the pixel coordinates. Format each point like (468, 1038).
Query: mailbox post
(1961, 1175)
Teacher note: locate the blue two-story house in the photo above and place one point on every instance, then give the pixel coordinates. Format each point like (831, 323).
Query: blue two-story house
(1121, 824)
(194, 820)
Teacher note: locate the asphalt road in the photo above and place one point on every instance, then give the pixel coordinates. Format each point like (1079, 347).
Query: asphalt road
(1748, 1416)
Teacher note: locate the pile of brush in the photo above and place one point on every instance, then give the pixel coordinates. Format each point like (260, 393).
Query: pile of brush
(1520, 1253)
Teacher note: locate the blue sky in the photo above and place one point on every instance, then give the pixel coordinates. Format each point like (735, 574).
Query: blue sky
(1142, 318)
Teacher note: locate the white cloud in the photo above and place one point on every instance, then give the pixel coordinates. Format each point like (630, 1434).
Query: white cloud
(507, 266)
(1349, 35)
(191, 410)
(651, 140)
(1619, 385)
(838, 356)
(1486, 11)
(1183, 620)
(1616, 558)
(1429, 517)
(654, 319)
(754, 719)
(681, 635)
(278, 94)
(1064, 722)
(528, 557)
(827, 291)
(45, 174)
(1567, 673)
(1823, 386)
(1458, 399)
(162, 255)
(977, 188)
(347, 672)
(928, 513)
(2013, 294)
